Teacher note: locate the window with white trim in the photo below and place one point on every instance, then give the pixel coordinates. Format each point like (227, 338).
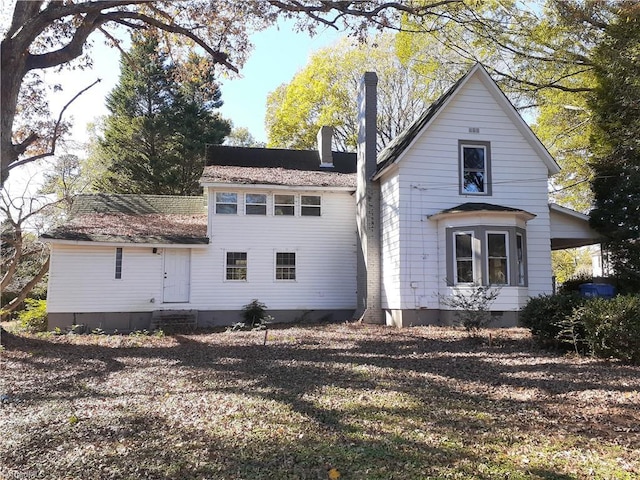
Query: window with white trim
(463, 257)
(285, 266)
(118, 263)
(475, 173)
(498, 258)
(236, 266)
(310, 205)
(226, 203)
(283, 205)
(255, 204)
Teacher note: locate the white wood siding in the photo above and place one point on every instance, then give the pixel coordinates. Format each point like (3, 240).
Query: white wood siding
(390, 243)
(82, 279)
(564, 225)
(429, 183)
(325, 249)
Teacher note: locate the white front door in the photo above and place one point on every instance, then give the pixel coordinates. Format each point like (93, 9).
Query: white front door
(177, 275)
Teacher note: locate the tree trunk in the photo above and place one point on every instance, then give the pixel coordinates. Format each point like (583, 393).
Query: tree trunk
(15, 303)
(11, 75)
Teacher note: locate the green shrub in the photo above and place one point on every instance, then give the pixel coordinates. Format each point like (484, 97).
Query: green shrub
(254, 313)
(613, 327)
(573, 333)
(547, 316)
(33, 318)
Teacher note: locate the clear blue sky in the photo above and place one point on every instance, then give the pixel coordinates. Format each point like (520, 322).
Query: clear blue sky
(278, 54)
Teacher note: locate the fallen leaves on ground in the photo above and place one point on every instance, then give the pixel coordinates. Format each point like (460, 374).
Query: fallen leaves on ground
(421, 402)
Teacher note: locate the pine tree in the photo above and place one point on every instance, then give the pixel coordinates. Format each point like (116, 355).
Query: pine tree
(616, 142)
(161, 118)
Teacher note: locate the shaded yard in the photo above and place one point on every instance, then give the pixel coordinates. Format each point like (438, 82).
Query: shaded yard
(372, 402)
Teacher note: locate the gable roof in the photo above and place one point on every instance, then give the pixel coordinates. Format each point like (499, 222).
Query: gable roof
(146, 219)
(270, 166)
(400, 143)
(393, 152)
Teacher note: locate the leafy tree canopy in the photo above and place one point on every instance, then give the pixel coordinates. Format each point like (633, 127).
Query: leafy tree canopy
(45, 34)
(324, 92)
(241, 137)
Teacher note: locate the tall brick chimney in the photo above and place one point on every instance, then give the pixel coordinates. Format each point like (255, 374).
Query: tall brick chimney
(369, 306)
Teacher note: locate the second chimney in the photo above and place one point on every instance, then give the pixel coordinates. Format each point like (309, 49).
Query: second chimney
(325, 135)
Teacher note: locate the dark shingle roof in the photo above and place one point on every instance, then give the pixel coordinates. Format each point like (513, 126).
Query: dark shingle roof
(132, 204)
(270, 166)
(480, 207)
(161, 219)
(402, 141)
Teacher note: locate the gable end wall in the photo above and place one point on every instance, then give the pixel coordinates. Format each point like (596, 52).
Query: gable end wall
(428, 179)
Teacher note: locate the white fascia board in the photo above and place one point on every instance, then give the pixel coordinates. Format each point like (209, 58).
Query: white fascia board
(567, 211)
(87, 243)
(266, 186)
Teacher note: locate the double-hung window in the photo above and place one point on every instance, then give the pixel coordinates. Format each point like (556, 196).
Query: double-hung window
(255, 204)
(463, 257)
(236, 266)
(285, 266)
(283, 205)
(498, 258)
(475, 173)
(226, 203)
(310, 205)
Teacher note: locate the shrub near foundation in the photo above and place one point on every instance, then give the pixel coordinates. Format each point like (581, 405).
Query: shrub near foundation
(33, 318)
(613, 327)
(546, 315)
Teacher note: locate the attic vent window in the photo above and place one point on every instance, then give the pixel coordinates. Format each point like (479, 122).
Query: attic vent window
(474, 129)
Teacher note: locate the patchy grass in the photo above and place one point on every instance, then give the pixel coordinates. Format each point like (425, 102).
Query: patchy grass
(370, 402)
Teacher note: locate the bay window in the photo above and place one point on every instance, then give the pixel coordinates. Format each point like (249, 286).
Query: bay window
(486, 255)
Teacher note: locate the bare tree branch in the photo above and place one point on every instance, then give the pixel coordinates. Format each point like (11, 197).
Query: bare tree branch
(56, 133)
(218, 56)
(554, 84)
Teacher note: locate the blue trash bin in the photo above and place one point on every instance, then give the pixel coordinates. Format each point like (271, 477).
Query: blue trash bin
(602, 290)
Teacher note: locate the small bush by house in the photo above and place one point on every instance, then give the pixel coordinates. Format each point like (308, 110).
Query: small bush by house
(613, 327)
(546, 315)
(33, 318)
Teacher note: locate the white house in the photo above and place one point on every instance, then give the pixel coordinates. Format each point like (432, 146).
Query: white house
(458, 199)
